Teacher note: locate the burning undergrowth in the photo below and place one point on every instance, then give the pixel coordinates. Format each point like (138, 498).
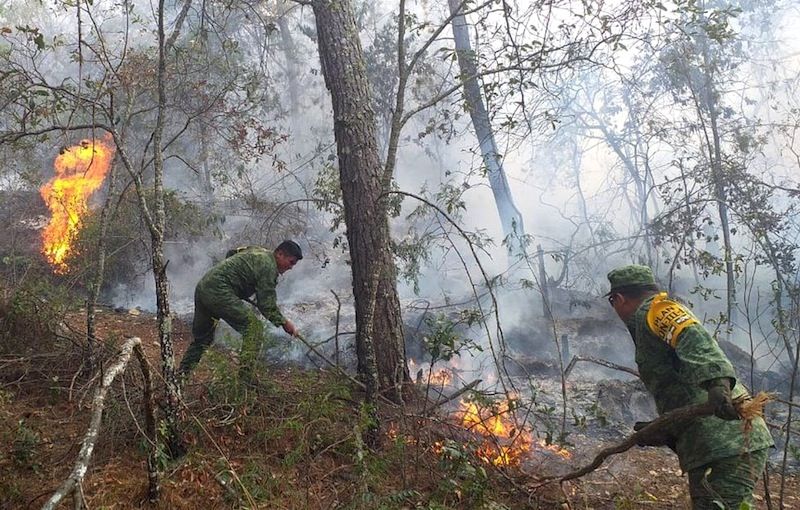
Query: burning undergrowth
(507, 440)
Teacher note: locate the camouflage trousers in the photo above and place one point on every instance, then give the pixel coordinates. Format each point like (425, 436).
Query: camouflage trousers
(211, 305)
(728, 481)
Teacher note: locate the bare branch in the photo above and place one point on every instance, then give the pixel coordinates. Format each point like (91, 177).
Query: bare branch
(98, 402)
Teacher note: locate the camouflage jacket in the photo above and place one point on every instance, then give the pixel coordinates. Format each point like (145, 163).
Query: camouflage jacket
(249, 271)
(676, 355)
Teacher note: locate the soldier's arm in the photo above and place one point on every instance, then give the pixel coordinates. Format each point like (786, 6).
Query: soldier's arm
(267, 299)
(701, 358)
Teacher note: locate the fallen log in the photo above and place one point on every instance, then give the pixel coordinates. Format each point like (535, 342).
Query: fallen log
(98, 403)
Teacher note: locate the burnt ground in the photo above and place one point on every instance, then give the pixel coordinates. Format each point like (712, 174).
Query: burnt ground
(290, 441)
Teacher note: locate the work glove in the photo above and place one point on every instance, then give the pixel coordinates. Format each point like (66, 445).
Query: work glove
(719, 396)
(660, 439)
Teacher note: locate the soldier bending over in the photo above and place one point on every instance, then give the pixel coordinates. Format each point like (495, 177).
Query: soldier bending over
(681, 364)
(219, 294)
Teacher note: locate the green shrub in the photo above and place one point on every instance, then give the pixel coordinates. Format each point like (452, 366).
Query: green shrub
(29, 315)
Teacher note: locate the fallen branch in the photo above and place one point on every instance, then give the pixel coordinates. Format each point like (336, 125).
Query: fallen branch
(82, 464)
(598, 361)
(455, 395)
(748, 409)
(655, 429)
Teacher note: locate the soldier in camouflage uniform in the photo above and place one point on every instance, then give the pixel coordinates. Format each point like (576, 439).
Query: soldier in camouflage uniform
(246, 271)
(681, 364)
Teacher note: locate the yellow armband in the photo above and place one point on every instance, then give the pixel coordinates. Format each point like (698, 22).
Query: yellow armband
(667, 319)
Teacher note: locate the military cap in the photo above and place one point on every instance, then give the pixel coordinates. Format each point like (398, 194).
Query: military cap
(630, 276)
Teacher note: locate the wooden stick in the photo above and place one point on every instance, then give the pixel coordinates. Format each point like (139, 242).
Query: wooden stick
(747, 408)
(598, 361)
(455, 395)
(651, 431)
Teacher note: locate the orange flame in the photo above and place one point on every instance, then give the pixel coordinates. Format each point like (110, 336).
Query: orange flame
(438, 377)
(504, 444)
(80, 171)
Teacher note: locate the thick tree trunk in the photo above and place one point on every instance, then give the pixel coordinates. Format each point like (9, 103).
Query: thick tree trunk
(379, 339)
(510, 216)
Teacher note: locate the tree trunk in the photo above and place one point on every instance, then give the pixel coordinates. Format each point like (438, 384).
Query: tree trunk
(97, 282)
(510, 217)
(157, 229)
(379, 340)
(290, 54)
(709, 95)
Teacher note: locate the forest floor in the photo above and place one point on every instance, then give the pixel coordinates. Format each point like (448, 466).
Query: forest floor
(291, 440)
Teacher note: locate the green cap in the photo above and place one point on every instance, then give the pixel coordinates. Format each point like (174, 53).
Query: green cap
(628, 276)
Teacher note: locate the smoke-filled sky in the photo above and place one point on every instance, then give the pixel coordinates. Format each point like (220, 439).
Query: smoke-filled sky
(567, 137)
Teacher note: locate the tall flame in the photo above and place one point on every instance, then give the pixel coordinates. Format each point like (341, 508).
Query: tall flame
(80, 171)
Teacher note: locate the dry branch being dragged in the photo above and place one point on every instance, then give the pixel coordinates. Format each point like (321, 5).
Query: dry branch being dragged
(597, 361)
(98, 402)
(748, 408)
(655, 429)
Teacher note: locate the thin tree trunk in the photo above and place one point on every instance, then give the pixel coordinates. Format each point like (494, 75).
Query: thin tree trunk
(290, 54)
(789, 418)
(158, 262)
(544, 285)
(149, 408)
(510, 217)
(379, 340)
(94, 286)
(720, 193)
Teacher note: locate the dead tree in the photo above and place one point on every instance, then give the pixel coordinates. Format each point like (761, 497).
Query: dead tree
(72, 484)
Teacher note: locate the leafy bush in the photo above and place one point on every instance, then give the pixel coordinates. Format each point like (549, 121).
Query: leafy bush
(29, 315)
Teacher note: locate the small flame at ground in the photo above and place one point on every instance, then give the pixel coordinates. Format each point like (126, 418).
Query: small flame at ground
(504, 444)
(437, 377)
(80, 171)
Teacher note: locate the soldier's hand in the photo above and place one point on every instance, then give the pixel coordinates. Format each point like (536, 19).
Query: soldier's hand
(719, 396)
(289, 327)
